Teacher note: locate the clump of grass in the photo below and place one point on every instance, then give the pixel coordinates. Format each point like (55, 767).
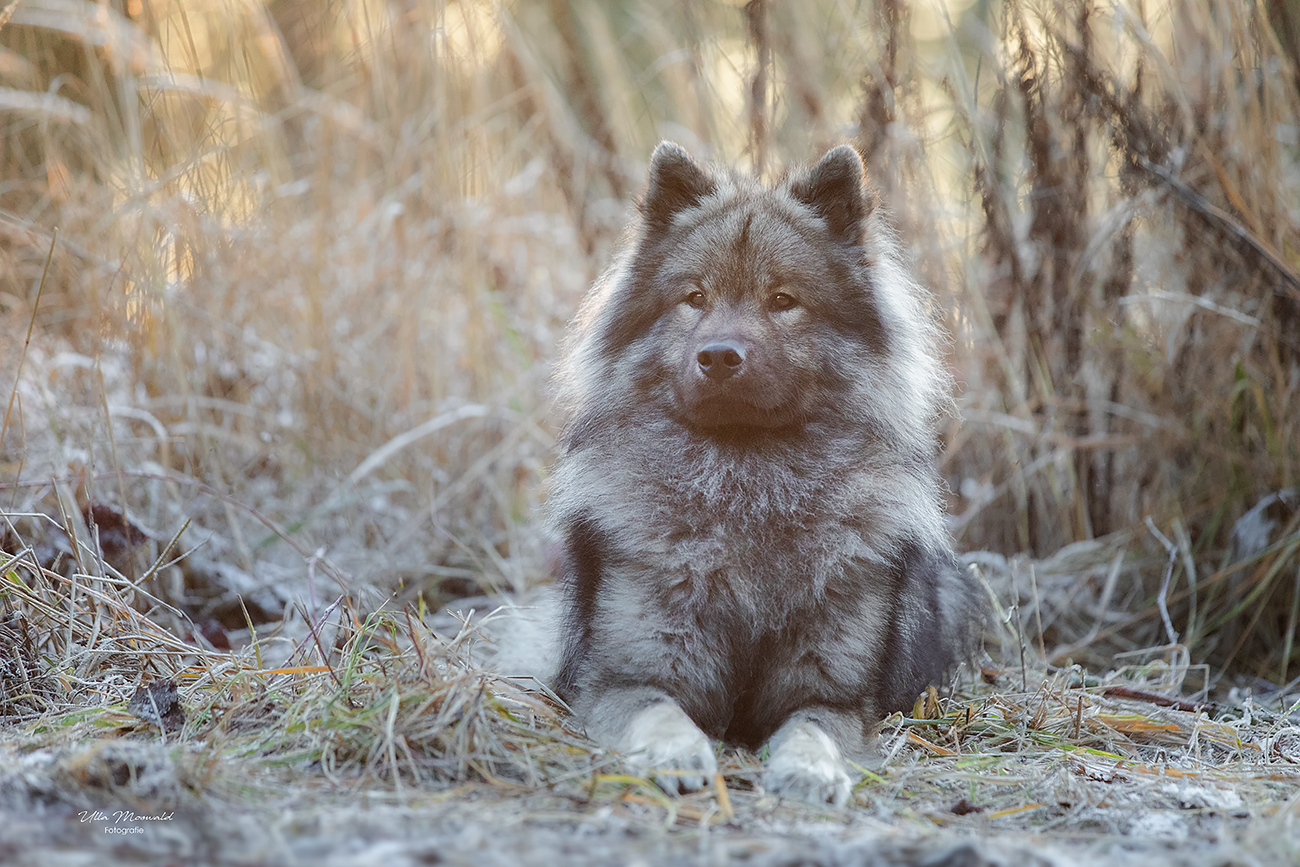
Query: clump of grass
(379, 695)
(78, 637)
(401, 705)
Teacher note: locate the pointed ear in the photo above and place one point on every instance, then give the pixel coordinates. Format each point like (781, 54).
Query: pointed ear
(676, 183)
(835, 190)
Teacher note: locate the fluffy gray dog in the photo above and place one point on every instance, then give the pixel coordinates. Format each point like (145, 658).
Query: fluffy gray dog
(754, 546)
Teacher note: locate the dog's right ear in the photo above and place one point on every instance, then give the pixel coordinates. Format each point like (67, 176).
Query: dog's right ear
(835, 190)
(676, 183)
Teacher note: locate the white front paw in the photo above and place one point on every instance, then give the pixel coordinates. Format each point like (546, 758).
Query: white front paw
(662, 742)
(805, 764)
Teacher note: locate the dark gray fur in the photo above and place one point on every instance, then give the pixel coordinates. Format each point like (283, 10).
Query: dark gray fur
(769, 549)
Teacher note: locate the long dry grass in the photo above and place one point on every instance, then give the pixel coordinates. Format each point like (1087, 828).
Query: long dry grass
(280, 282)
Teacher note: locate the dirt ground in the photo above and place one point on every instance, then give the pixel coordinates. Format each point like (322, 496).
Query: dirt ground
(477, 826)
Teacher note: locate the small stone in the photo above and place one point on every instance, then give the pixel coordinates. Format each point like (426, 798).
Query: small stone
(158, 704)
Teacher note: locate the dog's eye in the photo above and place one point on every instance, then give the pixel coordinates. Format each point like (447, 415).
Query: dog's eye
(782, 301)
(695, 299)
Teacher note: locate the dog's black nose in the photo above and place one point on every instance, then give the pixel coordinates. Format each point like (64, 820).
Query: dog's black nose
(721, 358)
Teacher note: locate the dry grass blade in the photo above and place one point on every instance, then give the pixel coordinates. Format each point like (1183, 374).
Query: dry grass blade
(1224, 221)
(31, 324)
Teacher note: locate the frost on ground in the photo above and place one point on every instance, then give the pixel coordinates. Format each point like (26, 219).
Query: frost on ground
(136, 802)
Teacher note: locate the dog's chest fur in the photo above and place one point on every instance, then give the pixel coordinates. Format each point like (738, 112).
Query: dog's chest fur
(715, 555)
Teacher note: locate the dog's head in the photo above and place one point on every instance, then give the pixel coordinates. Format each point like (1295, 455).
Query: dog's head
(741, 308)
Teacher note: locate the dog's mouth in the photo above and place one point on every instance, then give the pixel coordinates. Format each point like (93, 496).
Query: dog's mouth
(732, 418)
(740, 405)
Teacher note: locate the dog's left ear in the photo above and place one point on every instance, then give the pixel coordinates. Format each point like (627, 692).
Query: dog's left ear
(835, 189)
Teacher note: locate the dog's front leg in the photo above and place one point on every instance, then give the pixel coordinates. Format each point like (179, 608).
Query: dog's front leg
(805, 762)
(656, 736)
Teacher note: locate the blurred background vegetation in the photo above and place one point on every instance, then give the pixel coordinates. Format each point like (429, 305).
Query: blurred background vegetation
(313, 258)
